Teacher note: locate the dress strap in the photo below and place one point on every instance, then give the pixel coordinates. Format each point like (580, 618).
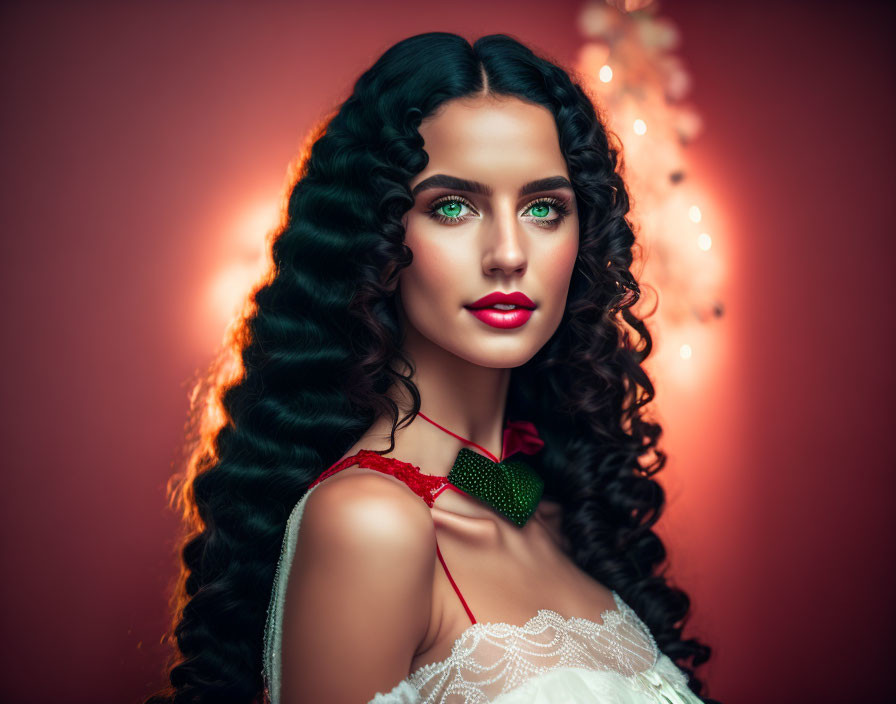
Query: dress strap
(426, 486)
(453, 584)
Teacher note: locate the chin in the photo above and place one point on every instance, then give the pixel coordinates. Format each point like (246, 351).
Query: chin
(499, 359)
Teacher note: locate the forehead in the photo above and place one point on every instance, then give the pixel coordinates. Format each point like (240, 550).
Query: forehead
(494, 140)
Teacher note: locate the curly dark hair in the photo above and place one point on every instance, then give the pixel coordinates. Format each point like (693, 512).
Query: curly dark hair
(320, 342)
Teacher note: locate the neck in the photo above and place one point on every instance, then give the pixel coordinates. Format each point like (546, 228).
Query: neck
(465, 398)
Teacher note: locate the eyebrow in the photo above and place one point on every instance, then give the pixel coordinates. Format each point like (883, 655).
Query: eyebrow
(462, 184)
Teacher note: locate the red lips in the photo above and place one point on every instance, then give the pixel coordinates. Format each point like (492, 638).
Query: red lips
(516, 298)
(485, 311)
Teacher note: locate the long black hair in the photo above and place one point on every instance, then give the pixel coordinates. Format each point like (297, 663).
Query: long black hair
(320, 343)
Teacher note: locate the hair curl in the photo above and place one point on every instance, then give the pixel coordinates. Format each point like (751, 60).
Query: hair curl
(319, 344)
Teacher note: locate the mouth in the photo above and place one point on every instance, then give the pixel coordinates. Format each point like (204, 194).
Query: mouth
(502, 315)
(503, 301)
(503, 310)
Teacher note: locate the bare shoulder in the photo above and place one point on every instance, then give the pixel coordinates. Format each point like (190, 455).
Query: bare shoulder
(359, 591)
(359, 504)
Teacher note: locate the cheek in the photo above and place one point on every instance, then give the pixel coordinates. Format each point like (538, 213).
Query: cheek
(433, 271)
(558, 263)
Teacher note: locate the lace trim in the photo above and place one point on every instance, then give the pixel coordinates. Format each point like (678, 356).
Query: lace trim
(426, 486)
(545, 618)
(488, 659)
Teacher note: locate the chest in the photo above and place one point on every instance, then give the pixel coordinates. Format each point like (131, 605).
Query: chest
(504, 573)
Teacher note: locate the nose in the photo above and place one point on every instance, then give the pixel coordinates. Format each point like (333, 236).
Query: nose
(504, 249)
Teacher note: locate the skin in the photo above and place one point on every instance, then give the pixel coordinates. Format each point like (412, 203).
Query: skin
(497, 243)
(362, 527)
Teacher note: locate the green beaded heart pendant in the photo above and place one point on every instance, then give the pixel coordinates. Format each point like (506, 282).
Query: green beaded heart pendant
(510, 487)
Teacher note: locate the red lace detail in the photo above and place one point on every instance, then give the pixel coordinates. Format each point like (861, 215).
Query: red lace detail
(426, 486)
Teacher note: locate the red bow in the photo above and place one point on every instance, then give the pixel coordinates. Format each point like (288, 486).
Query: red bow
(521, 436)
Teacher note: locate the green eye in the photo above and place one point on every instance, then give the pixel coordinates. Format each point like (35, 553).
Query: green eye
(450, 208)
(540, 210)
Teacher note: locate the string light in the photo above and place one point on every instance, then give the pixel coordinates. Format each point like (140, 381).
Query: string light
(647, 83)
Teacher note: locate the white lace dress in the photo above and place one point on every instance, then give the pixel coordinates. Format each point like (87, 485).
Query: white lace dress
(549, 660)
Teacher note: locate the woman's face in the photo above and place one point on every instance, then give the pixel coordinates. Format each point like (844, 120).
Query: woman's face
(494, 212)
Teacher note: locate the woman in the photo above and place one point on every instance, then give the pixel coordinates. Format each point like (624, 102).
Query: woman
(456, 254)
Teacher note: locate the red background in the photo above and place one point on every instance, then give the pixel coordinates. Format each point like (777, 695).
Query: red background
(131, 134)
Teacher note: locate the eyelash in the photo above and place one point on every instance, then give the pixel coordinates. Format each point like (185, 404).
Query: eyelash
(558, 205)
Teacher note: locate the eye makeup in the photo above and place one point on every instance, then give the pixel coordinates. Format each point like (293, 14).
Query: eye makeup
(559, 206)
